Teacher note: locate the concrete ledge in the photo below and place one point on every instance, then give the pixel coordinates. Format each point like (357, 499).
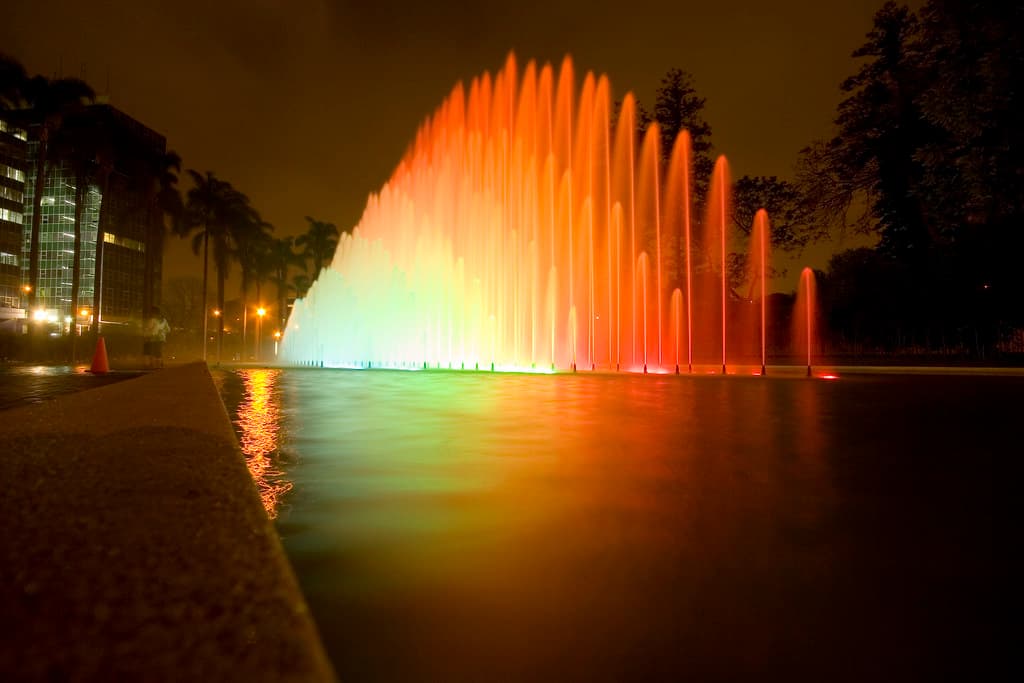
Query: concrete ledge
(135, 546)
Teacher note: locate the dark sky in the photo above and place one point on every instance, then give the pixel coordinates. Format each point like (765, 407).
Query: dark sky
(307, 105)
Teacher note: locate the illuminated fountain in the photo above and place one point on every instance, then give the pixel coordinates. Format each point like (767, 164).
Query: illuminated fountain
(526, 230)
(805, 316)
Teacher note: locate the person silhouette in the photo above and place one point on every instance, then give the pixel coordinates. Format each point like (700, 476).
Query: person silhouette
(155, 334)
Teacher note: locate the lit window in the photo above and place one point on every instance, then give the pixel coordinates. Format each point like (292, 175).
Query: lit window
(11, 193)
(19, 133)
(9, 172)
(125, 242)
(8, 215)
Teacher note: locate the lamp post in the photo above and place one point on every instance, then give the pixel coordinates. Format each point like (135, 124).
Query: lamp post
(216, 314)
(277, 340)
(260, 312)
(27, 290)
(82, 321)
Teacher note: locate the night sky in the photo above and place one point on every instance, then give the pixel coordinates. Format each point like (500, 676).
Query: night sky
(307, 105)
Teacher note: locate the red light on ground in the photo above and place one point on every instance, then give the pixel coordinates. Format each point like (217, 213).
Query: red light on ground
(830, 376)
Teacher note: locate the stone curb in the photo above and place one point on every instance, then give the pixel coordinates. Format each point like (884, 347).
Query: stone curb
(136, 546)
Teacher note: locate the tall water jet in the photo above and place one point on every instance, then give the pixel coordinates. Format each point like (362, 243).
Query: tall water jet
(649, 235)
(624, 190)
(805, 316)
(710, 273)
(678, 221)
(677, 323)
(749, 331)
(760, 241)
(641, 272)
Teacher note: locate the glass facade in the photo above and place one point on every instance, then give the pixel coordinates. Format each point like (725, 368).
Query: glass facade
(57, 241)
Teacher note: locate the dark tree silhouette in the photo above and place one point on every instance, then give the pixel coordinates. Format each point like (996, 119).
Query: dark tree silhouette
(318, 243)
(211, 209)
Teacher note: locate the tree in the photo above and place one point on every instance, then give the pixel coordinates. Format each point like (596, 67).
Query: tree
(792, 226)
(252, 240)
(49, 102)
(677, 107)
(318, 243)
(928, 152)
(211, 207)
(164, 212)
(12, 83)
(971, 56)
(281, 258)
(301, 284)
(836, 198)
(106, 160)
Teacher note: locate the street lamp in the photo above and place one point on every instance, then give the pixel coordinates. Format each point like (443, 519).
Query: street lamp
(206, 335)
(260, 312)
(277, 340)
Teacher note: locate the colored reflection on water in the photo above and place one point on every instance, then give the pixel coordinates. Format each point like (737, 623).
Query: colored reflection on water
(258, 420)
(463, 526)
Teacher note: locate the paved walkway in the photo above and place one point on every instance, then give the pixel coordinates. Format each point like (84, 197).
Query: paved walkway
(135, 546)
(22, 385)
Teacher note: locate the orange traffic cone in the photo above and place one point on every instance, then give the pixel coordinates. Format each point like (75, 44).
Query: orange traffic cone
(100, 366)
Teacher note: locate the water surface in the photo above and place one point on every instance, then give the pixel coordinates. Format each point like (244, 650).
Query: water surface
(452, 526)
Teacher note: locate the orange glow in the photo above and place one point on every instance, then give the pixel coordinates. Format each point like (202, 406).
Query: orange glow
(84, 312)
(216, 312)
(261, 311)
(259, 423)
(26, 288)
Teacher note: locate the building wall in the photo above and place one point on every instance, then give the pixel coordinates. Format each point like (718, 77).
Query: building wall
(13, 175)
(125, 216)
(57, 240)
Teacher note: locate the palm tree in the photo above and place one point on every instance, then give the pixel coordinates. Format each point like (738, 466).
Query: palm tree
(318, 243)
(251, 240)
(12, 83)
(207, 210)
(281, 258)
(106, 155)
(301, 284)
(49, 103)
(163, 202)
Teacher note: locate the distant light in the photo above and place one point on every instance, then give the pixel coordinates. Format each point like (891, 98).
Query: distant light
(216, 311)
(26, 288)
(67, 318)
(84, 312)
(39, 314)
(261, 311)
(830, 376)
(277, 334)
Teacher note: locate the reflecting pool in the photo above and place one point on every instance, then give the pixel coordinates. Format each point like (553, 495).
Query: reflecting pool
(453, 526)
